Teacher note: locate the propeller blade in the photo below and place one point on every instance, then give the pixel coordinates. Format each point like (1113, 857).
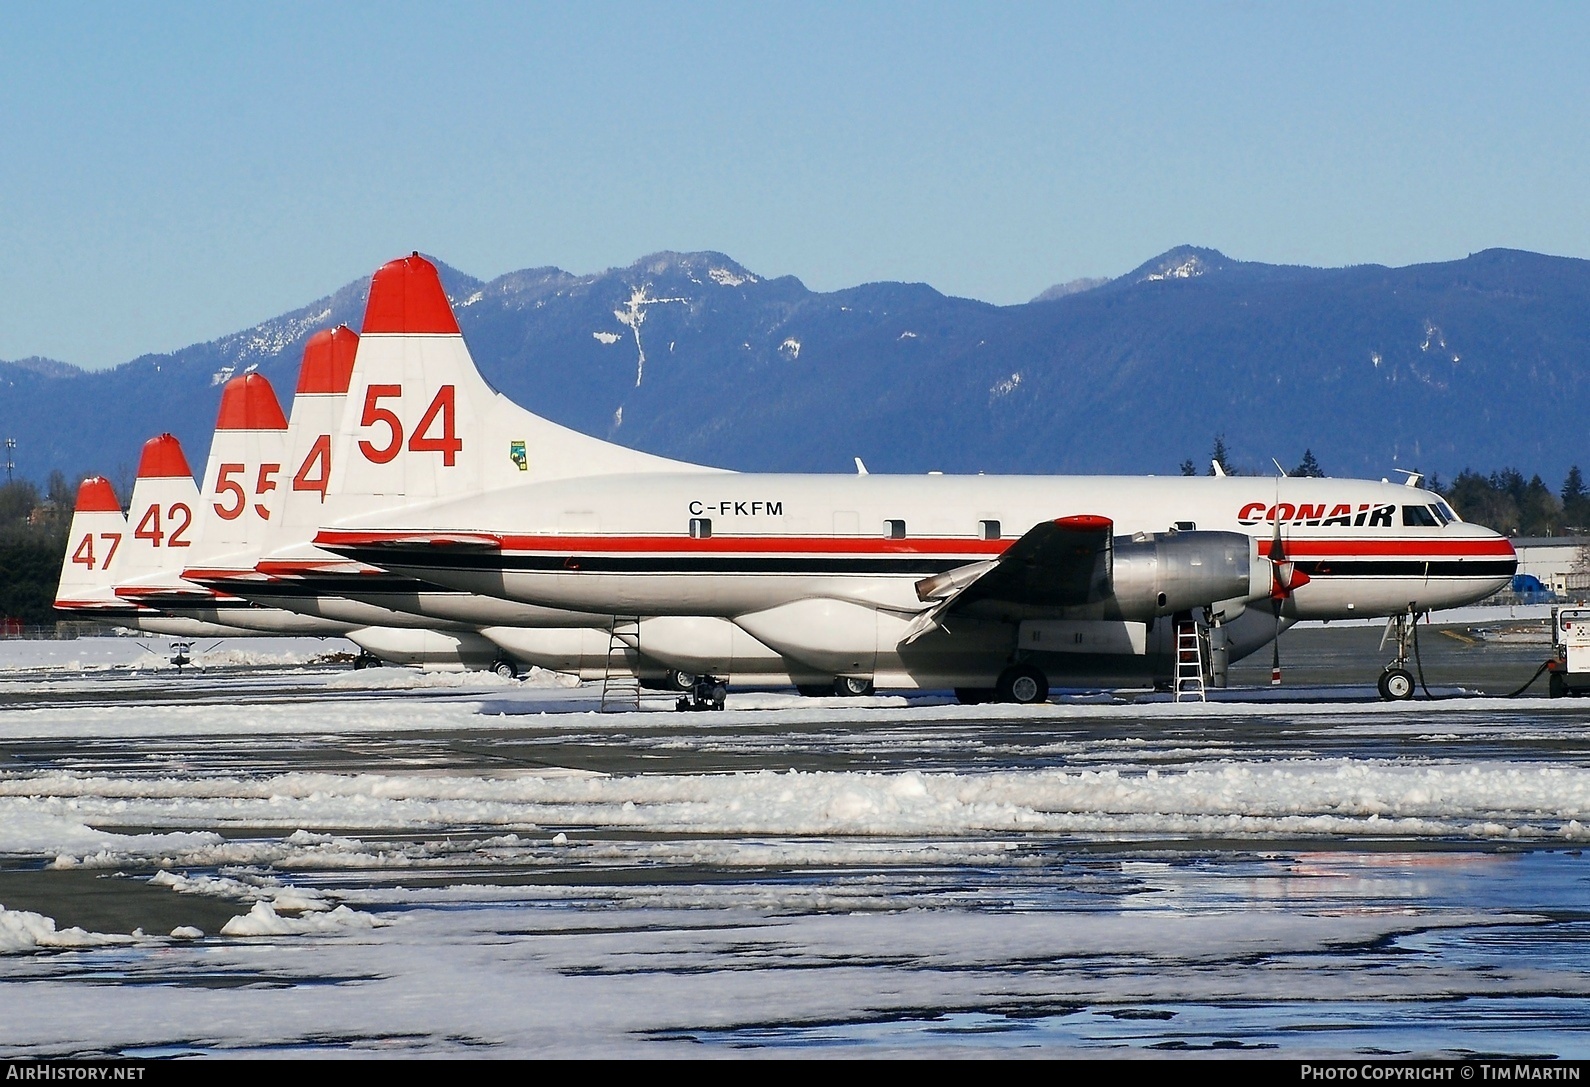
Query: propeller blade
(1275, 645)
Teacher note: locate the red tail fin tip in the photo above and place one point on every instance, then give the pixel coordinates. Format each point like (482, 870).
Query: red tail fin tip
(163, 459)
(249, 403)
(328, 361)
(96, 495)
(406, 296)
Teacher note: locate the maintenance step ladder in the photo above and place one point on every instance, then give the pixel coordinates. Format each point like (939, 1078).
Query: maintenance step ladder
(1190, 663)
(620, 684)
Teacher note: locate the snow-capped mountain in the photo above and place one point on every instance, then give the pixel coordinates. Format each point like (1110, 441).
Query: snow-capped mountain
(1476, 362)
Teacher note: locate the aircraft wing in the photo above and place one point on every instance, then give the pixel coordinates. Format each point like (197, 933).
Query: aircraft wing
(1061, 563)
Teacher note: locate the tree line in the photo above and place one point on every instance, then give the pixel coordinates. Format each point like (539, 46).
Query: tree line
(1504, 500)
(33, 527)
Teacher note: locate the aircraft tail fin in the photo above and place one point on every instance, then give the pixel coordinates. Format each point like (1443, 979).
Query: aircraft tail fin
(161, 516)
(420, 421)
(98, 528)
(243, 480)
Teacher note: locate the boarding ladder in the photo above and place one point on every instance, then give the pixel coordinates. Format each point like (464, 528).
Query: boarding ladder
(1189, 663)
(620, 684)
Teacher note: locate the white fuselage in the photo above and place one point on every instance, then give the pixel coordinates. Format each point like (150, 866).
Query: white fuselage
(824, 569)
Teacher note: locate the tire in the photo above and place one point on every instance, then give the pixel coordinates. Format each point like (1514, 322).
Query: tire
(681, 681)
(1395, 685)
(974, 696)
(506, 669)
(1556, 686)
(1024, 685)
(852, 687)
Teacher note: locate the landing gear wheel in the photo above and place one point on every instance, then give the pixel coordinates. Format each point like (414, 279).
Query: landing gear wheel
(507, 669)
(366, 660)
(1023, 684)
(1395, 685)
(975, 696)
(706, 693)
(681, 681)
(852, 687)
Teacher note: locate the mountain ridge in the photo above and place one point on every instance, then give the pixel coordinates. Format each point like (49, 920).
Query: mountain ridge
(1467, 363)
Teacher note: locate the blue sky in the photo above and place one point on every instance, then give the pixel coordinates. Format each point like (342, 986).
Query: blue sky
(173, 172)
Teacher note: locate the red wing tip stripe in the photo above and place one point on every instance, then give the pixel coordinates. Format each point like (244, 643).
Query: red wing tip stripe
(1084, 522)
(283, 568)
(249, 576)
(186, 592)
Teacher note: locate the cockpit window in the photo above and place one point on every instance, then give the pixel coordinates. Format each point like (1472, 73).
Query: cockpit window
(1419, 517)
(1447, 511)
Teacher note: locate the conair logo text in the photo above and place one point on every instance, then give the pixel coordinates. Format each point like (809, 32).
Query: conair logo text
(1305, 513)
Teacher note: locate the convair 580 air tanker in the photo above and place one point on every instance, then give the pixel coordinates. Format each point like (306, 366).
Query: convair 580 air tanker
(996, 586)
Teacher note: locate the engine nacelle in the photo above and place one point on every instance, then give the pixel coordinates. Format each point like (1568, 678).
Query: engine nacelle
(1163, 573)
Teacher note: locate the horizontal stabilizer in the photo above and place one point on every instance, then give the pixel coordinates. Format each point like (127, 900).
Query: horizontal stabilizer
(334, 540)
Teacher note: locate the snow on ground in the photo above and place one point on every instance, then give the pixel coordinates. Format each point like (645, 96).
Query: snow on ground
(152, 651)
(762, 877)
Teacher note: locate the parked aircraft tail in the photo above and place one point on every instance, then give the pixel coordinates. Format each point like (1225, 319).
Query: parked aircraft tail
(98, 529)
(421, 422)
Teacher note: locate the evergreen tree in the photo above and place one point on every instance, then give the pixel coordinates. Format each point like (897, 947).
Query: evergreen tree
(1188, 468)
(1217, 455)
(1309, 467)
(1575, 502)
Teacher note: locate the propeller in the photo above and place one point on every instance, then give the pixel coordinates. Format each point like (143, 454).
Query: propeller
(1285, 578)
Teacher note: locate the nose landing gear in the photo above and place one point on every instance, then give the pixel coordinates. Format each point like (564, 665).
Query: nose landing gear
(1396, 682)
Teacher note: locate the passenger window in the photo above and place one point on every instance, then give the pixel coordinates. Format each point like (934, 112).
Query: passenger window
(1419, 517)
(894, 530)
(988, 530)
(1185, 526)
(700, 527)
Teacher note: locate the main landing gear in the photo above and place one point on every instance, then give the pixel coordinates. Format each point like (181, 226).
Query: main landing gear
(1023, 684)
(704, 693)
(366, 659)
(1396, 682)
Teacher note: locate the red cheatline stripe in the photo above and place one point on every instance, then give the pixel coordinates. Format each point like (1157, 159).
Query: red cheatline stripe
(851, 545)
(1413, 548)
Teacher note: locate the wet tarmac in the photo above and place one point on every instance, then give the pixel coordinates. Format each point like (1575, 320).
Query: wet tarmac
(1303, 873)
